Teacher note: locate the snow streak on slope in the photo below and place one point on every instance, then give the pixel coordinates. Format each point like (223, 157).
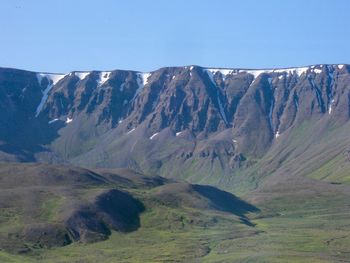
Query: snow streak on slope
(221, 108)
(142, 80)
(52, 121)
(330, 106)
(52, 79)
(277, 134)
(133, 129)
(103, 77)
(330, 93)
(154, 135)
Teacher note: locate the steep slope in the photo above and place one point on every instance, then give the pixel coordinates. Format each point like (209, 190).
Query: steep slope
(205, 125)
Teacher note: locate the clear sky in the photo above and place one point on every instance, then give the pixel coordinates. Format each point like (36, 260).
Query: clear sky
(66, 35)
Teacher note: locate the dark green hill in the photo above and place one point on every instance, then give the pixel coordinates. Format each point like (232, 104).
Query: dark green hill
(45, 206)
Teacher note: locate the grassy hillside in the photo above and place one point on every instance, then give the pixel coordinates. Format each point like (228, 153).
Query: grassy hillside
(296, 219)
(314, 230)
(299, 193)
(59, 214)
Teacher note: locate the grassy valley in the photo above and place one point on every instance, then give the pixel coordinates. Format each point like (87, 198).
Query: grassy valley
(293, 222)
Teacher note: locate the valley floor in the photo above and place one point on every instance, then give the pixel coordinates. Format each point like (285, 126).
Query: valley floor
(299, 230)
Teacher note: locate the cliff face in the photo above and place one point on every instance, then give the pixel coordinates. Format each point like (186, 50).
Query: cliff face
(191, 122)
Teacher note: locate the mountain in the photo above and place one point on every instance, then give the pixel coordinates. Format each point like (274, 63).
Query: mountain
(181, 164)
(225, 127)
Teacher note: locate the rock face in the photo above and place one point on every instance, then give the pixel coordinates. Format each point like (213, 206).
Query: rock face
(177, 121)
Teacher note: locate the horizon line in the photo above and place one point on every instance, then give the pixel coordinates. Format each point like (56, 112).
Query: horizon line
(185, 66)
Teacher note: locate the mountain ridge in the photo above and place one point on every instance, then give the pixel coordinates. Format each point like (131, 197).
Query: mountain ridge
(184, 66)
(211, 122)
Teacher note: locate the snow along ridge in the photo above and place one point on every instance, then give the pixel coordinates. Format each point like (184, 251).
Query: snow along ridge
(143, 78)
(81, 74)
(317, 69)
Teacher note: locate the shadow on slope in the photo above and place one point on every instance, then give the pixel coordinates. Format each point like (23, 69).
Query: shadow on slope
(225, 201)
(112, 209)
(204, 197)
(44, 206)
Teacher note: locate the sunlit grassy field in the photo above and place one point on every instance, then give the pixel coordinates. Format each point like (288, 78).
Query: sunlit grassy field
(299, 230)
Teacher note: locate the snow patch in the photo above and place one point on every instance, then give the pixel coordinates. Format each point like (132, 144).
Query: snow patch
(142, 80)
(255, 72)
(277, 134)
(81, 75)
(154, 135)
(178, 133)
(130, 131)
(69, 120)
(330, 106)
(299, 71)
(224, 72)
(52, 121)
(52, 79)
(329, 95)
(290, 71)
(103, 77)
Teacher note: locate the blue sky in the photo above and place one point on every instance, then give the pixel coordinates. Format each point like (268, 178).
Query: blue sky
(66, 35)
